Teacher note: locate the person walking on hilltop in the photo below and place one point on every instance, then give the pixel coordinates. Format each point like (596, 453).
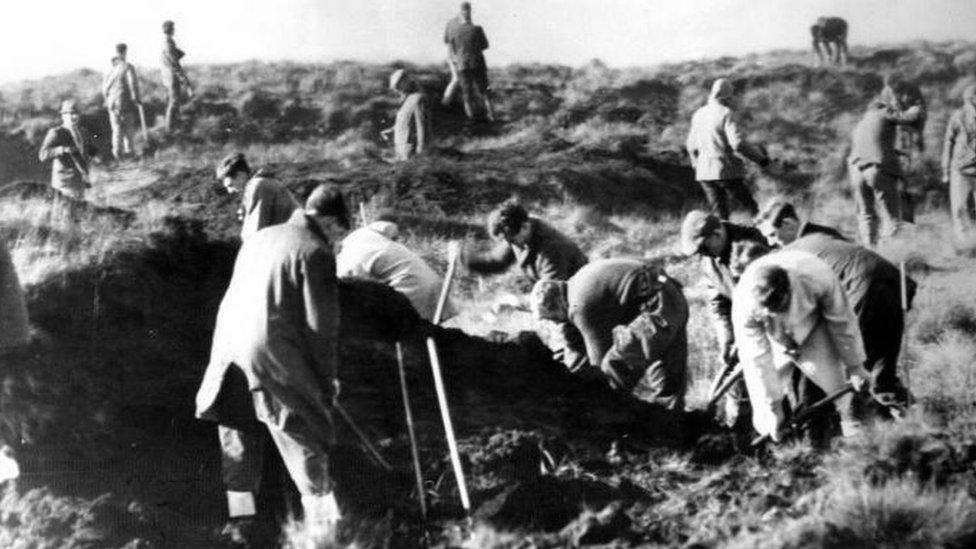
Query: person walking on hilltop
(874, 165)
(714, 145)
(411, 128)
(959, 164)
(69, 147)
(120, 88)
(177, 84)
(264, 200)
(830, 34)
(468, 42)
(632, 317)
(277, 330)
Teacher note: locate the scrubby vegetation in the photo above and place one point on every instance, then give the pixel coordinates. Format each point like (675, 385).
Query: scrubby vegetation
(125, 294)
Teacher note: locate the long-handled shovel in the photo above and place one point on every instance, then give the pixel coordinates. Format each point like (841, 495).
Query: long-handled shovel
(435, 366)
(411, 431)
(150, 147)
(806, 414)
(725, 385)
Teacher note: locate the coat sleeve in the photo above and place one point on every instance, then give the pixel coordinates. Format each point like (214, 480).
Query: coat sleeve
(738, 143)
(952, 133)
(49, 148)
(482, 39)
(321, 304)
(596, 346)
(909, 116)
(498, 260)
(756, 357)
(691, 142)
(422, 124)
(841, 323)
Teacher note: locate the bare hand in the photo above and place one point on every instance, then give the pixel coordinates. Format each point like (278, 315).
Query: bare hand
(859, 379)
(454, 248)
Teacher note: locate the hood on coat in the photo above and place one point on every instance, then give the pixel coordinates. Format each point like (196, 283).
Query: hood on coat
(721, 91)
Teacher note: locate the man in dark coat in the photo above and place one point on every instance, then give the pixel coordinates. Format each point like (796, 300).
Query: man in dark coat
(69, 147)
(278, 327)
(873, 287)
(712, 239)
(827, 31)
(542, 252)
(466, 43)
(633, 320)
(175, 80)
(781, 224)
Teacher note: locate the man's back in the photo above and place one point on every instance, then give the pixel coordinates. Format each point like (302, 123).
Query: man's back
(712, 140)
(367, 254)
(121, 85)
(468, 41)
(265, 202)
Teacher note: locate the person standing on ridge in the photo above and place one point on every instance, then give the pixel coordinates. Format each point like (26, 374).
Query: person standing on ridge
(714, 144)
(468, 42)
(120, 88)
(174, 77)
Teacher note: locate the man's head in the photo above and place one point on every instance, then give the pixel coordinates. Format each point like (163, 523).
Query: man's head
(233, 172)
(168, 27)
(703, 233)
(743, 254)
(779, 223)
(401, 82)
(466, 11)
(772, 289)
(548, 301)
(722, 91)
(69, 113)
(121, 50)
(511, 223)
(388, 229)
(969, 95)
(327, 208)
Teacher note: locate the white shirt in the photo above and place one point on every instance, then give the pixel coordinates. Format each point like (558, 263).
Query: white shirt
(367, 254)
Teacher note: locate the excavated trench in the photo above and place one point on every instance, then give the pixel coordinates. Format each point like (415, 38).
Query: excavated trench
(106, 405)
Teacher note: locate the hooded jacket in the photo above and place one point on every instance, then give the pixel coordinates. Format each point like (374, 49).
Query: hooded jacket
(959, 149)
(715, 142)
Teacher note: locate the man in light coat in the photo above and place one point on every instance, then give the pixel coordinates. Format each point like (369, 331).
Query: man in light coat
(264, 200)
(411, 127)
(120, 88)
(278, 327)
(714, 145)
(874, 165)
(373, 253)
(959, 163)
(69, 148)
(175, 80)
(789, 310)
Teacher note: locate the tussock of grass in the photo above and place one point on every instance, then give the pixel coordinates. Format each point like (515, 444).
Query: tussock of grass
(897, 514)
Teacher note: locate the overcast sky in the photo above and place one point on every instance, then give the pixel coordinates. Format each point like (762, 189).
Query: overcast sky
(44, 37)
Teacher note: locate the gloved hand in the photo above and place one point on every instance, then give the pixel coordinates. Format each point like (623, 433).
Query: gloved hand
(859, 378)
(728, 352)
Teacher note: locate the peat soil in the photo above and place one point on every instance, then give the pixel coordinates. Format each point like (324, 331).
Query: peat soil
(101, 418)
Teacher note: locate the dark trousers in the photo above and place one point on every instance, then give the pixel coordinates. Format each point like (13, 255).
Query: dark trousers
(718, 192)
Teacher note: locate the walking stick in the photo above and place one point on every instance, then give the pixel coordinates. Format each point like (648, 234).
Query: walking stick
(435, 366)
(903, 283)
(142, 122)
(414, 452)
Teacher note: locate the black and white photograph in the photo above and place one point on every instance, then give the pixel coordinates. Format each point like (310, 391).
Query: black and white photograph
(492, 274)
